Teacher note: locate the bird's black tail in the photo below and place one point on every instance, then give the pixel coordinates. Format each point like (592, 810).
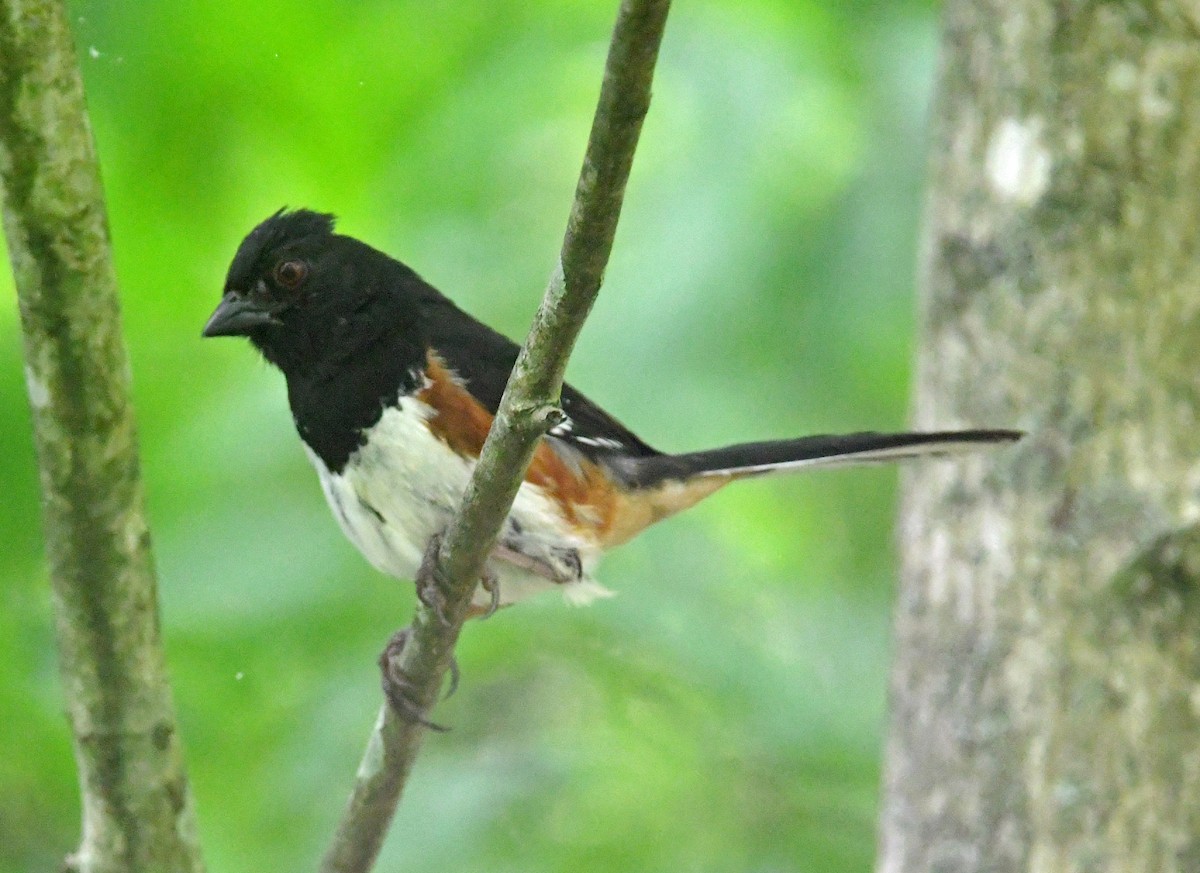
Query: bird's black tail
(777, 456)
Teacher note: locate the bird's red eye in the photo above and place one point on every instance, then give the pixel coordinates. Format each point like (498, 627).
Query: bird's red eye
(289, 274)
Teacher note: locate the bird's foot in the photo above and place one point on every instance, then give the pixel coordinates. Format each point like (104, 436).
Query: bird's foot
(560, 565)
(398, 688)
(429, 582)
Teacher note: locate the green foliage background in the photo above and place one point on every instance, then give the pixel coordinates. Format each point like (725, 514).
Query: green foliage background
(725, 711)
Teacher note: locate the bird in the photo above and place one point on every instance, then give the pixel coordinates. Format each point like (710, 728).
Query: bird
(392, 389)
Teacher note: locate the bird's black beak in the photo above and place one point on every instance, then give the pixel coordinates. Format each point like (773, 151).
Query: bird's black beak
(237, 315)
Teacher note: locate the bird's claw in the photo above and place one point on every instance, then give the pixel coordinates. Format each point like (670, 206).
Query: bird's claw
(429, 587)
(455, 675)
(397, 687)
(490, 583)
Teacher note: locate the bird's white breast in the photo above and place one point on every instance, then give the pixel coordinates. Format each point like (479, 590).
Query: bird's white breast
(403, 485)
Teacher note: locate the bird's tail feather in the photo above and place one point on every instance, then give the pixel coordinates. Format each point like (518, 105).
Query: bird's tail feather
(778, 456)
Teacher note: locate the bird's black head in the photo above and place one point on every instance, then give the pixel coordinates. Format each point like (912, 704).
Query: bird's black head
(305, 295)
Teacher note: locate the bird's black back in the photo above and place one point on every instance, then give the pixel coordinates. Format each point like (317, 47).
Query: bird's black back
(356, 337)
(483, 359)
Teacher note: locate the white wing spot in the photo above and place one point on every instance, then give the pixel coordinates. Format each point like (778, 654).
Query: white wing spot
(598, 442)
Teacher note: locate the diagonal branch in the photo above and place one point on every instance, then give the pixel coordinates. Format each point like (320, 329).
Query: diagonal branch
(137, 810)
(526, 411)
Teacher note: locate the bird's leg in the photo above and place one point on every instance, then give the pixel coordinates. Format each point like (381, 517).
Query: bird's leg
(397, 687)
(429, 584)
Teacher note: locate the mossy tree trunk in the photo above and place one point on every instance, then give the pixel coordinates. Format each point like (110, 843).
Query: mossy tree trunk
(1046, 692)
(137, 808)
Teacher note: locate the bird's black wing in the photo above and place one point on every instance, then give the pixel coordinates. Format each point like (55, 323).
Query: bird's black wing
(483, 359)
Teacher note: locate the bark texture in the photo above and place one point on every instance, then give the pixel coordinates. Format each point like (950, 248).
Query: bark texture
(1046, 692)
(137, 813)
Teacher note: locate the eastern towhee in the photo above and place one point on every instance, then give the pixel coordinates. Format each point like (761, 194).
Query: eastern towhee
(393, 389)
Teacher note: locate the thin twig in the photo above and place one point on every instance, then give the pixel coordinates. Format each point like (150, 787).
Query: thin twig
(137, 809)
(527, 410)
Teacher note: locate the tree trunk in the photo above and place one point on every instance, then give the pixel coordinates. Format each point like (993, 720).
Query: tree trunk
(137, 807)
(1046, 691)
